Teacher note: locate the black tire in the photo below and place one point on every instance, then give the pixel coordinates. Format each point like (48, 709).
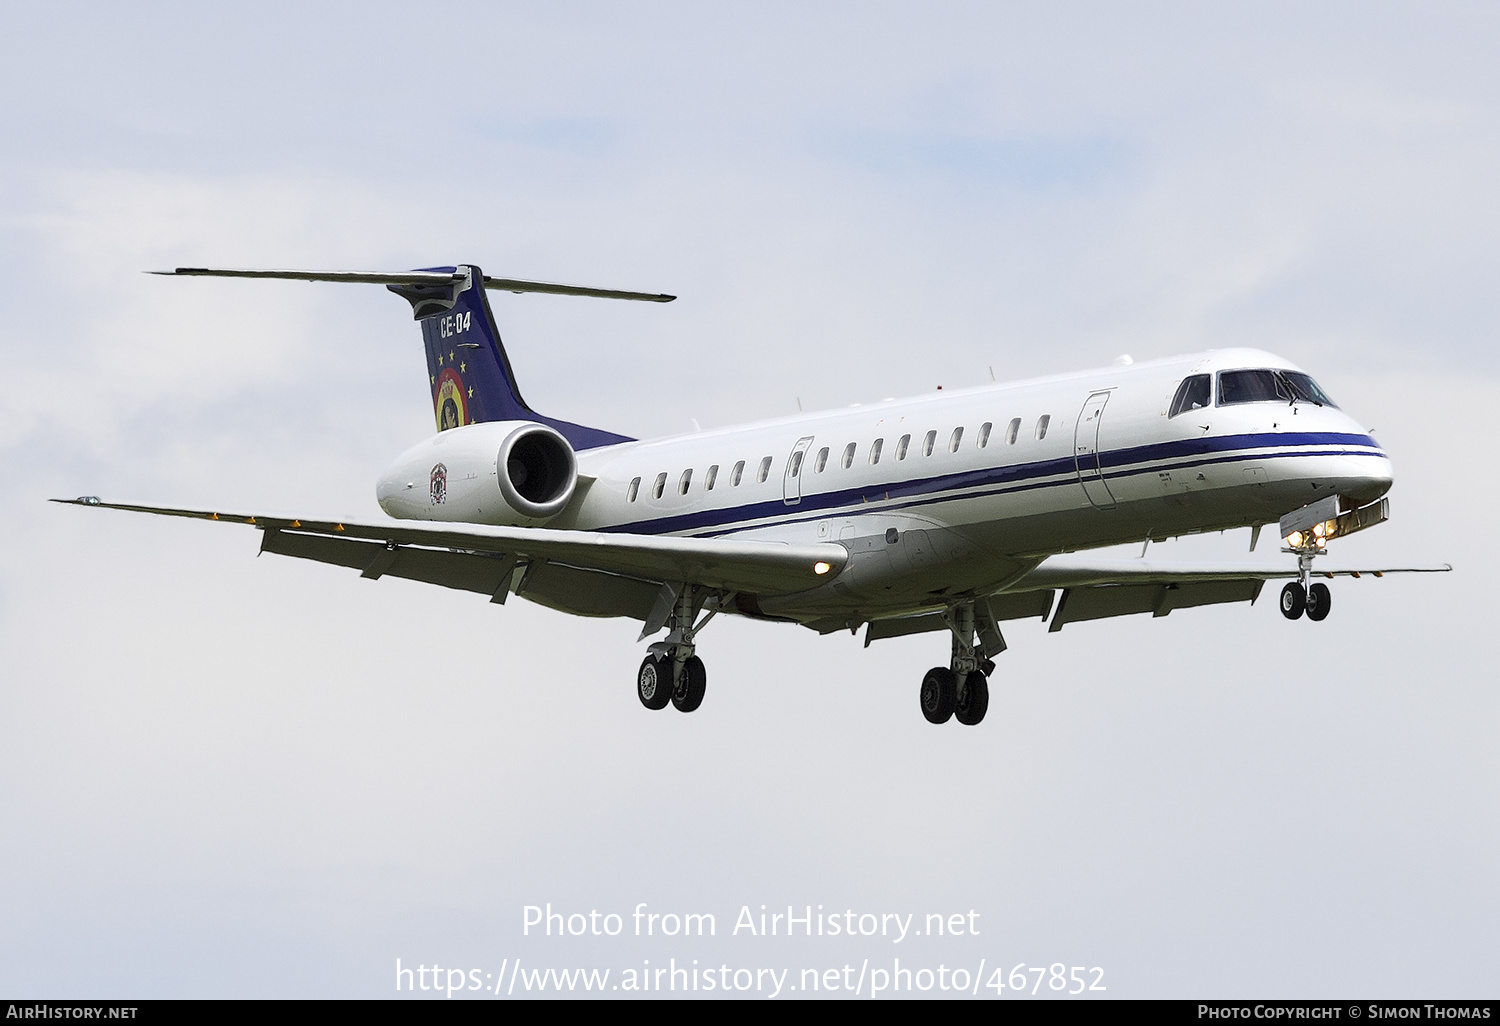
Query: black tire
(939, 694)
(653, 683)
(1318, 602)
(1293, 601)
(973, 700)
(689, 693)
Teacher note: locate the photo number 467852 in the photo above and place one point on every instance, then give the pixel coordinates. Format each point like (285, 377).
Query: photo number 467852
(1073, 980)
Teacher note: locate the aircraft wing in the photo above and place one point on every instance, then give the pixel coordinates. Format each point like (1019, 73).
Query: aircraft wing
(585, 572)
(1097, 587)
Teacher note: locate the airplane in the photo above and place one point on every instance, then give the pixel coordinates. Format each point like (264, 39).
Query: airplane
(950, 513)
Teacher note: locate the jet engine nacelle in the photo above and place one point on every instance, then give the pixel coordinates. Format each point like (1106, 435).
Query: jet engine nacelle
(511, 473)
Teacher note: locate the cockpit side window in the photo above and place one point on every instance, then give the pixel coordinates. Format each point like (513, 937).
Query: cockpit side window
(1193, 394)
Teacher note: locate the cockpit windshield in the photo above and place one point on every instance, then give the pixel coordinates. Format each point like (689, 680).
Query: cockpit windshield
(1305, 388)
(1269, 386)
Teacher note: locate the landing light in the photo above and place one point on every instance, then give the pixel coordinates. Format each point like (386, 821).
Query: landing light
(820, 568)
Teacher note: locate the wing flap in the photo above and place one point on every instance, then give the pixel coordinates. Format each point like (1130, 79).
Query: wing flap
(1101, 601)
(475, 571)
(1009, 606)
(589, 592)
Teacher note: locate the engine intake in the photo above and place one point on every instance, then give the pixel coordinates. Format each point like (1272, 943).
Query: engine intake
(537, 471)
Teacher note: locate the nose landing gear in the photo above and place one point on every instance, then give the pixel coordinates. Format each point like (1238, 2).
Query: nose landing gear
(1299, 597)
(1306, 533)
(1314, 600)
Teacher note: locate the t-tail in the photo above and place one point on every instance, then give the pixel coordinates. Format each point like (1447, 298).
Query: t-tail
(467, 369)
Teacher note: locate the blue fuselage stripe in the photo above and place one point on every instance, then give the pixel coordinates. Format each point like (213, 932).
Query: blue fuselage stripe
(1155, 458)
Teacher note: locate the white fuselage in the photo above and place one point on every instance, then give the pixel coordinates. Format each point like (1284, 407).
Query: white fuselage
(969, 490)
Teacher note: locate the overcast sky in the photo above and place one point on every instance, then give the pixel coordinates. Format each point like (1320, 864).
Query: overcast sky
(230, 776)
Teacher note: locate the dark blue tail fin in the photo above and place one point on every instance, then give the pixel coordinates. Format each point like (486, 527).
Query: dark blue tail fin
(471, 377)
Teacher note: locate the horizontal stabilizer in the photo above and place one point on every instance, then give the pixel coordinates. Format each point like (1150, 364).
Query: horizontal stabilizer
(423, 277)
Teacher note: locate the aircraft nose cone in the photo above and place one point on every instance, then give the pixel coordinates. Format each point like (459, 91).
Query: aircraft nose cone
(1369, 477)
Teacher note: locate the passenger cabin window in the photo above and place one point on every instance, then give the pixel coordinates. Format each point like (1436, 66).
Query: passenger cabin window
(687, 479)
(1041, 426)
(765, 470)
(984, 434)
(875, 451)
(633, 490)
(710, 478)
(956, 438)
(901, 447)
(1013, 432)
(796, 467)
(1192, 394)
(822, 462)
(848, 458)
(737, 473)
(660, 486)
(928, 443)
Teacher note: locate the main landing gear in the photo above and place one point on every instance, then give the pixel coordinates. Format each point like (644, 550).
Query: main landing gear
(655, 685)
(672, 672)
(961, 690)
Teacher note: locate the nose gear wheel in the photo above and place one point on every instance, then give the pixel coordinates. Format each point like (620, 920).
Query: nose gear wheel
(1293, 601)
(1318, 601)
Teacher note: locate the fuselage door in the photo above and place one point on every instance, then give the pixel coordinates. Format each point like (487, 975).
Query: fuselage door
(791, 481)
(1086, 452)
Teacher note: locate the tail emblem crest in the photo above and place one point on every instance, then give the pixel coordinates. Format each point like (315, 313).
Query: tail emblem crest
(451, 401)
